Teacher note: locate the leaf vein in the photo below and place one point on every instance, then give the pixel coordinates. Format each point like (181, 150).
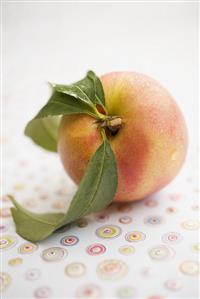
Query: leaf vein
(97, 184)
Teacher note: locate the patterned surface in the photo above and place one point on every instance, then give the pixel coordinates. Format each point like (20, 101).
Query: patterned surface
(142, 249)
(145, 250)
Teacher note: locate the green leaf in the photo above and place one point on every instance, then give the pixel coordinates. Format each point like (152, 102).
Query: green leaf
(32, 226)
(95, 192)
(98, 88)
(44, 131)
(89, 90)
(77, 98)
(98, 186)
(61, 104)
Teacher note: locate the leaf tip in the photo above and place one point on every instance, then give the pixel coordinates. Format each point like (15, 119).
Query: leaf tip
(90, 73)
(52, 85)
(26, 130)
(12, 199)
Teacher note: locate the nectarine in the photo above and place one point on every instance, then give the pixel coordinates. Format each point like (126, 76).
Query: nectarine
(149, 140)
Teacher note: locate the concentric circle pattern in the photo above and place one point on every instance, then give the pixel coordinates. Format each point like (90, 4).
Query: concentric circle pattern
(3, 228)
(161, 253)
(101, 217)
(7, 241)
(15, 261)
(32, 274)
(172, 238)
(43, 292)
(190, 224)
(125, 219)
(135, 236)
(126, 250)
(27, 248)
(89, 291)
(190, 268)
(95, 258)
(69, 240)
(112, 269)
(75, 270)
(153, 220)
(96, 249)
(108, 231)
(54, 254)
(173, 285)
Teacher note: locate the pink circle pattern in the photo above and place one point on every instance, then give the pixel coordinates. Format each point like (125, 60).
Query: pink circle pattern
(98, 255)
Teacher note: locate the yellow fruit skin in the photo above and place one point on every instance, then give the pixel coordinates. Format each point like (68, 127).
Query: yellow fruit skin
(149, 148)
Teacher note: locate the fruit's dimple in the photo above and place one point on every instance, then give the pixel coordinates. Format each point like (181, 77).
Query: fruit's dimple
(149, 147)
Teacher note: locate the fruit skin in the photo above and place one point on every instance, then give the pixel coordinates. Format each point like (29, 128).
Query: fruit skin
(149, 148)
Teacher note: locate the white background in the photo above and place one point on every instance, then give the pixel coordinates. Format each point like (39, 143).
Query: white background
(59, 42)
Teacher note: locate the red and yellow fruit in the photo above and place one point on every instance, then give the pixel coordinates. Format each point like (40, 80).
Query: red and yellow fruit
(151, 145)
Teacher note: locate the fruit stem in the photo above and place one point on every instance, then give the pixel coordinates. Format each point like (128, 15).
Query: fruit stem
(101, 117)
(111, 123)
